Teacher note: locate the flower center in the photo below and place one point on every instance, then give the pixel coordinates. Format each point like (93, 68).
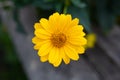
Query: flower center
(58, 40)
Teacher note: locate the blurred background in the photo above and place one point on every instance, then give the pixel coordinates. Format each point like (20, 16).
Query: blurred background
(101, 20)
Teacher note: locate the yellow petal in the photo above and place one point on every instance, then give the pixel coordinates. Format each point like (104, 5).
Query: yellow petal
(70, 25)
(37, 46)
(42, 34)
(53, 20)
(45, 24)
(44, 58)
(65, 21)
(71, 52)
(58, 61)
(35, 40)
(54, 17)
(40, 43)
(69, 18)
(76, 30)
(81, 50)
(42, 31)
(81, 41)
(53, 55)
(65, 58)
(37, 26)
(74, 22)
(44, 49)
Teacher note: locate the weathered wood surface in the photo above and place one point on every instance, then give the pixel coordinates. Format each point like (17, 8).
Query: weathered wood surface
(96, 64)
(111, 44)
(103, 64)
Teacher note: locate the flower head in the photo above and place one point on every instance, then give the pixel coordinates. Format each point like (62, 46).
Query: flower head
(91, 38)
(59, 38)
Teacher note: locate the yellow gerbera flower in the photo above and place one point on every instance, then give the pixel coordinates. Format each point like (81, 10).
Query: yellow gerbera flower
(59, 38)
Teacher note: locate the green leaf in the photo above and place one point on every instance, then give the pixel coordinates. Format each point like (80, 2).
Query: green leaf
(2, 0)
(83, 16)
(43, 4)
(7, 8)
(105, 15)
(116, 6)
(106, 21)
(78, 3)
(6, 45)
(49, 0)
(58, 7)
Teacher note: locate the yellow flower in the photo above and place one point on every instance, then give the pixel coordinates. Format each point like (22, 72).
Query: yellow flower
(91, 39)
(59, 38)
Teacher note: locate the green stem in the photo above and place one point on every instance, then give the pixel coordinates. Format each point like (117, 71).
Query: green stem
(65, 10)
(66, 4)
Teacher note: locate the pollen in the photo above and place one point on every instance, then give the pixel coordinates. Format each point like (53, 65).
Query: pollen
(58, 40)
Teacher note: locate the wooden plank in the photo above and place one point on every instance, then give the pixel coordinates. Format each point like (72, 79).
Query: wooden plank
(103, 64)
(108, 70)
(81, 70)
(111, 44)
(114, 37)
(36, 70)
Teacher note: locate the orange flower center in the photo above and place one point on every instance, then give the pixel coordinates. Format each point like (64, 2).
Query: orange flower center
(58, 40)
